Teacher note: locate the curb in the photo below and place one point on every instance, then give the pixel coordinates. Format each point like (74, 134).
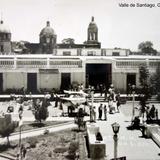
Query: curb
(42, 128)
(7, 156)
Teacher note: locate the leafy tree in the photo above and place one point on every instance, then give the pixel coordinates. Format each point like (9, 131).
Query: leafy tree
(7, 127)
(144, 75)
(68, 41)
(155, 81)
(145, 86)
(40, 110)
(147, 48)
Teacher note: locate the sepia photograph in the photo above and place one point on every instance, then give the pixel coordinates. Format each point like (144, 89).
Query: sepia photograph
(79, 80)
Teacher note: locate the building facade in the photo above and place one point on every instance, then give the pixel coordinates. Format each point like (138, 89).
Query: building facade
(57, 66)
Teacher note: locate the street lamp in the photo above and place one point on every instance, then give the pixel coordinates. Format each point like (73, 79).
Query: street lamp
(133, 100)
(20, 130)
(91, 107)
(115, 127)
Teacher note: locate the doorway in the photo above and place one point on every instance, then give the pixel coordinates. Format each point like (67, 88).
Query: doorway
(65, 81)
(32, 82)
(97, 74)
(131, 80)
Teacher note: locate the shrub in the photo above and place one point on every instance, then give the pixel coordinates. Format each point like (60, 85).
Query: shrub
(40, 111)
(73, 147)
(60, 149)
(158, 96)
(72, 150)
(7, 126)
(32, 142)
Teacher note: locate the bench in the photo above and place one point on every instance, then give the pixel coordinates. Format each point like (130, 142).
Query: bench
(96, 148)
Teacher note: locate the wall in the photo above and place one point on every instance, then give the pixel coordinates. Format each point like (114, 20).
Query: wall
(78, 77)
(14, 80)
(119, 81)
(48, 81)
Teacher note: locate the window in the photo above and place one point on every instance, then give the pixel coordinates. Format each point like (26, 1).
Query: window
(115, 54)
(103, 52)
(66, 53)
(91, 53)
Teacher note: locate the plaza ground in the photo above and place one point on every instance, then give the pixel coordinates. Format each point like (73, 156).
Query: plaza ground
(130, 144)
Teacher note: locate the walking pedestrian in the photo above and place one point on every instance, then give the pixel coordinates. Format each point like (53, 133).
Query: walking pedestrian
(118, 101)
(23, 151)
(105, 112)
(100, 112)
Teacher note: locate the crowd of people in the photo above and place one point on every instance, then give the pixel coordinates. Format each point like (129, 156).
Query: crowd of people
(111, 107)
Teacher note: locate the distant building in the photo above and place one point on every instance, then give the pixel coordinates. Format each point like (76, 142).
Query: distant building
(5, 39)
(47, 64)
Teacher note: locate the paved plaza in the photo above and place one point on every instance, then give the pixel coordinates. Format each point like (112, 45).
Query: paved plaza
(130, 143)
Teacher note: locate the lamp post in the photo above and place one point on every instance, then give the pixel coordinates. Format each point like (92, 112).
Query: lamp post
(91, 107)
(20, 130)
(133, 100)
(115, 127)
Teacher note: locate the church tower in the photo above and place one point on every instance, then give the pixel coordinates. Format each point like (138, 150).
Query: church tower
(48, 39)
(5, 39)
(92, 32)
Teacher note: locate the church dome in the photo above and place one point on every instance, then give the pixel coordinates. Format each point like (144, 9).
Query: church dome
(4, 28)
(93, 26)
(47, 31)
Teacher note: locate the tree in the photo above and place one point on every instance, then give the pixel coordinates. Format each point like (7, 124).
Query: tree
(144, 83)
(7, 126)
(144, 80)
(155, 81)
(145, 87)
(147, 48)
(143, 75)
(40, 110)
(68, 41)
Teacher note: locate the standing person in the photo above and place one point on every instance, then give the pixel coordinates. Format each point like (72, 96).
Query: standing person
(101, 89)
(105, 112)
(152, 112)
(105, 93)
(56, 101)
(118, 101)
(100, 112)
(94, 114)
(129, 89)
(110, 104)
(82, 87)
(20, 111)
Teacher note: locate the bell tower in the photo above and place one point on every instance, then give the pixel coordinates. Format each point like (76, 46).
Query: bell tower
(92, 31)
(92, 36)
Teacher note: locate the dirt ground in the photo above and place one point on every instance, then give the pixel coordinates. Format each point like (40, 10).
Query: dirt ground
(62, 145)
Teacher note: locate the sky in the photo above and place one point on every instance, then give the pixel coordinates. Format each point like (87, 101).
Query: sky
(123, 27)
